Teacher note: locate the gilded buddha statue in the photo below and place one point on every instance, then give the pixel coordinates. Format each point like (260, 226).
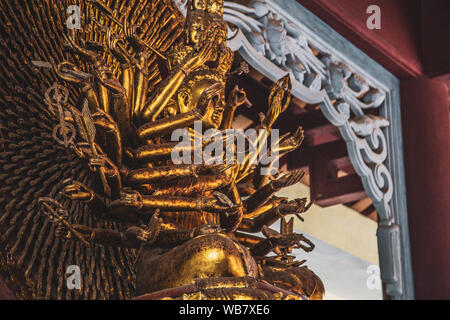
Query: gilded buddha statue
(189, 226)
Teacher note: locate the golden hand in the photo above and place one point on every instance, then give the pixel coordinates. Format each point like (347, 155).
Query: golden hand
(107, 78)
(238, 97)
(288, 179)
(286, 241)
(89, 55)
(279, 99)
(69, 72)
(105, 163)
(295, 206)
(77, 191)
(82, 150)
(290, 143)
(117, 47)
(104, 121)
(151, 231)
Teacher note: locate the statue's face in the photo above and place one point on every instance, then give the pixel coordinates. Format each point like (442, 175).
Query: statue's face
(210, 6)
(191, 98)
(199, 5)
(214, 114)
(195, 33)
(221, 38)
(197, 24)
(215, 6)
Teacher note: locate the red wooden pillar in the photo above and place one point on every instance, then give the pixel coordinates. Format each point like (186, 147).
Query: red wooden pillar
(426, 133)
(5, 292)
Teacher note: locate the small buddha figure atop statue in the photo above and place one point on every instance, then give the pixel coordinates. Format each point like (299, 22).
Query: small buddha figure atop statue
(204, 27)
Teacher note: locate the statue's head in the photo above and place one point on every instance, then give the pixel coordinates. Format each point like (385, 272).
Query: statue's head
(214, 7)
(197, 23)
(198, 30)
(205, 91)
(215, 105)
(204, 23)
(200, 15)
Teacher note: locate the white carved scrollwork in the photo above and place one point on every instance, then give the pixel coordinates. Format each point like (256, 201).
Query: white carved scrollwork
(272, 43)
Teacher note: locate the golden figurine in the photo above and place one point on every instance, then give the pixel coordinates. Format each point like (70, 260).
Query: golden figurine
(144, 225)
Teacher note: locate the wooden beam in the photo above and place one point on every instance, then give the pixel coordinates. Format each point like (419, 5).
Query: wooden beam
(322, 135)
(343, 164)
(336, 191)
(368, 210)
(326, 190)
(362, 204)
(309, 120)
(304, 156)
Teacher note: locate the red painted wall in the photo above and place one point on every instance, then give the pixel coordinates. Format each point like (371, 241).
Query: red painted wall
(435, 40)
(426, 135)
(396, 45)
(5, 292)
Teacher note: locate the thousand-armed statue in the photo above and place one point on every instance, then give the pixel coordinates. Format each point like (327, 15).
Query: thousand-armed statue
(88, 176)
